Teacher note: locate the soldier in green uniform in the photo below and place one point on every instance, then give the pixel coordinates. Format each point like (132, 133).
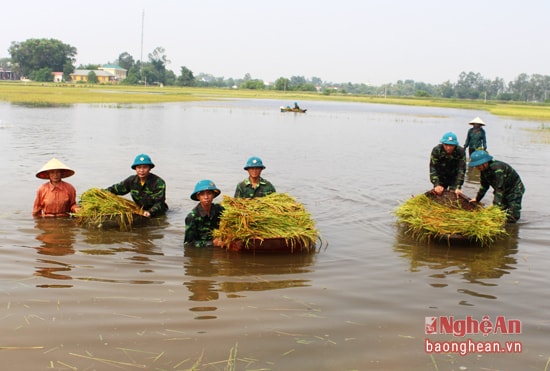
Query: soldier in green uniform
(254, 185)
(507, 185)
(204, 217)
(147, 189)
(447, 165)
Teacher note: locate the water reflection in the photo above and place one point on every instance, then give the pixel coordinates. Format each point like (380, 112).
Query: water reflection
(142, 240)
(238, 272)
(473, 263)
(57, 236)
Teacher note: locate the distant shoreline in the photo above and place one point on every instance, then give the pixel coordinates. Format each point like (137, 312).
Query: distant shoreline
(52, 94)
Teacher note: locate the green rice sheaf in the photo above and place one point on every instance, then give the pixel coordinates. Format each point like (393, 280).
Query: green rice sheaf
(277, 215)
(426, 218)
(98, 205)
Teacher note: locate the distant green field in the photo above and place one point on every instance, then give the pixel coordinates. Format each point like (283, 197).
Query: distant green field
(51, 94)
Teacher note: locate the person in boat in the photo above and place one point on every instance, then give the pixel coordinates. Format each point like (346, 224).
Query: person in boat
(476, 137)
(56, 197)
(447, 165)
(507, 184)
(296, 106)
(147, 189)
(254, 185)
(204, 217)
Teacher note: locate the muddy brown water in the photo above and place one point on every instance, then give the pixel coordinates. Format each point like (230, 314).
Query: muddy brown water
(75, 298)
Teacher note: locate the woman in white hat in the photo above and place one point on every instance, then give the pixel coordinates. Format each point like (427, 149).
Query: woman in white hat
(56, 197)
(476, 138)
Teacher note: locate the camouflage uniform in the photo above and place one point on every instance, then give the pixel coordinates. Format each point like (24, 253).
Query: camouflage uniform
(199, 225)
(447, 170)
(151, 196)
(245, 189)
(475, 139)
(507, 185)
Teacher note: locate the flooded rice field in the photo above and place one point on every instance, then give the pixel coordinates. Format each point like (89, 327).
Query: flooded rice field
(76, 298)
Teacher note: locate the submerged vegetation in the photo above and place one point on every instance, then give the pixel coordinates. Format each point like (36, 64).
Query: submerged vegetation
(52, 94)
(426, 218)
(541, 134)
(66, 94)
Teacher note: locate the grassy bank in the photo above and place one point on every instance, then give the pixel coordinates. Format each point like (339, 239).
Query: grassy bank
(66, 94)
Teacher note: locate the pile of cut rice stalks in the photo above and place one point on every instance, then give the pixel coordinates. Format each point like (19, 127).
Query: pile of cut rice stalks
(277, 215)
(428, 217)
(99, 207)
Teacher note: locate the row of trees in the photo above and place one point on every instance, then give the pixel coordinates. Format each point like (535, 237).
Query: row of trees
(38, 58)
(472, 85)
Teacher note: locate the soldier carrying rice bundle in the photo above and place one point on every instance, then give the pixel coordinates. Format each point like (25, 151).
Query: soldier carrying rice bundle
(446, 213)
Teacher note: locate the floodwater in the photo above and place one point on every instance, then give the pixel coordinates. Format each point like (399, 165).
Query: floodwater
(81, 299)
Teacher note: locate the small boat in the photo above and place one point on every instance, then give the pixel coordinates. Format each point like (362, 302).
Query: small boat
(290, 109)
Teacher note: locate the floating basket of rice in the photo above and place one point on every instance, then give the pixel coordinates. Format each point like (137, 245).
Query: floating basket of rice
(102, 209)
(276, 223)
(451, 217)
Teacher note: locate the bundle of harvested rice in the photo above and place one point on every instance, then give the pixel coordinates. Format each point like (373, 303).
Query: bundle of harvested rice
(98, 206)
(429, 217)
(277, 215)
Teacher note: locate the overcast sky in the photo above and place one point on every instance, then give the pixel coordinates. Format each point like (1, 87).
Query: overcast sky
(358, 41)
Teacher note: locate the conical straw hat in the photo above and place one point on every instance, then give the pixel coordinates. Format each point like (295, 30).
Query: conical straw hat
(54, 164)
(477, 120)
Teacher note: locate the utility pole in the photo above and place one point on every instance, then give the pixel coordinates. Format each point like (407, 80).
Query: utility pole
(141, 53)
